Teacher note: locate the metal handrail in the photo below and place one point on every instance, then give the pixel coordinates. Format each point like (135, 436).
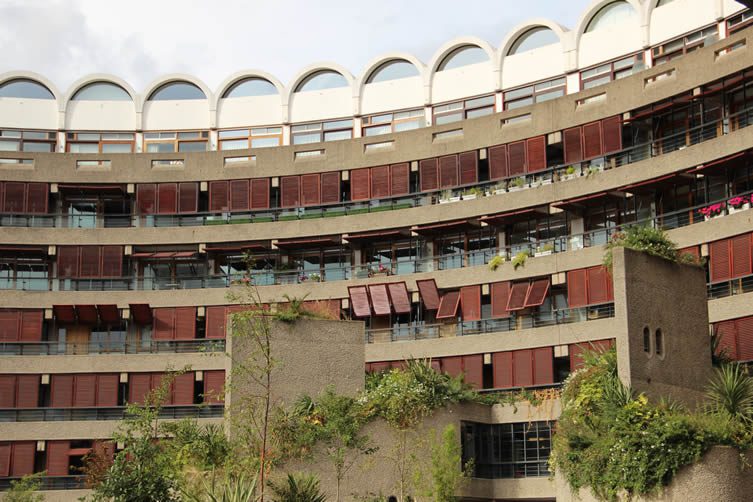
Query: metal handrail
(151, 347)
(105, 413)
(730, 287)
(74, 482)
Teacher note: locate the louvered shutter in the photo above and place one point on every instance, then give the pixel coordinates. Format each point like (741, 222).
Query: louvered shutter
(7, 391)
(15, 197)
(427, 288)
(453, 365)
(379, 367)
(502, 365)
(290, 191)
(577, 295)
(22, 462)
(61, 392)
(112, 261)
(473, 370)
(330, 187)
(10, 328)
(185, 323)
(572, 145)
(260, 193)
(215, 322)
(214, 382)
(740, 249)
(518, 293)
(67, 262)
(448, 305)
(522, 362)
(536, 293)
(543, 366)
(693, 251)
(744, 339)
(726, 333)
(359, 301)
(183, 387)
(380, 301)
(592, 140)
(139, 386)
(37, 198)
(167, 198)
(58, 458)
(155, 382)
(329, 309)
(517, 158)
(239, 195)
(359, 184)
(146, 198)
(612, 131)
(500, 293)
(498, 167)
(400, 179)
(470, 302)
(598, 289)
(468, 167)
(91, 261)
(536, 150)
(31, 325)
(85, 391)
(576, 351)
(188, 198)
(448, 171)
(399, 298)
(380, 182)
(219, 196)
(5, 451)
(310, 190)
(28, 391)
(164, 324)
(428, 175)
(107, 390)
(719, 261)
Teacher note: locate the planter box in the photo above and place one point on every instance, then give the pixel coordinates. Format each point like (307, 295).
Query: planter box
(515, 188)
(451, 199)
(568, 177)
(499, 191)
(543, 253)
(744, 207)
(720, 215)
(470, 197)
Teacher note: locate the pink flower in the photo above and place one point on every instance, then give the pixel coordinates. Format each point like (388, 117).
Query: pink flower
(738, 201)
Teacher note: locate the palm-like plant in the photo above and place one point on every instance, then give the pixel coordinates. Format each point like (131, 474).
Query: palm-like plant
(231, 489)
(730, 391)
(298, 488)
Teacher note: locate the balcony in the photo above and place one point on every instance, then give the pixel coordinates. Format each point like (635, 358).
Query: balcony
(151, 347)
(116, 413)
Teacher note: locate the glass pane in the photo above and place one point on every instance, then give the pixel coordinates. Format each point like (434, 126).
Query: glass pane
(177, 91)
(265, 142)
(192, 146)
(37, 147)
(117, 148)
(477, 102)
(446, 119)
(325, 79)
(189, 135)
(337, 135)
(235, 133)
(22, 88)
(160, 147)
(101, 91)
(35, 135)
(235, 144)
(83, 147)
(480, 112)
(374, 131)
(393, 70)
(409, 125)
(251, 87)
(338, 124)
(87, 136)
(303, 139)
(10, 146)
(463, 56)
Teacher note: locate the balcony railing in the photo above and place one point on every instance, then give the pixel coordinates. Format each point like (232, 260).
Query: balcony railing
(152, 347)
(115, 413)
(52, 482)
(732, 287)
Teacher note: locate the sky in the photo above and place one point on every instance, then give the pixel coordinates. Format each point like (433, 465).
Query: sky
(140, 40)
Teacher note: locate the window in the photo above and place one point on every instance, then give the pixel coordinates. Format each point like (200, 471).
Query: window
(534, 38)
(659, 341)
(608, 72)
(255, 137)
(537, 93)
(647, 340)
(182, 141)
(324, 79)
(253, 86)
(683, 45)
(174, 91)
(101, 91)
(27, 141)
(94, 142)
(28, 273)
(322, 131)
(463, 56)
(611, 16)
(24, 88)
(734, 23)
(386, 123)
(393, 70)
(461, 110)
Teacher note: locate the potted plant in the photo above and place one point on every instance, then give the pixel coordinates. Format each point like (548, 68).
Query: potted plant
(517, 183)
(378, 271)
(446, 196)
(520, 259)
(315, 277)
(496, 262)
(497, 189)
(472, 193)
(738, 203)
(569, 174)
(713, 211)
(545, 250)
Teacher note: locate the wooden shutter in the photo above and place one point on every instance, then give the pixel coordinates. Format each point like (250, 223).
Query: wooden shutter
(576, 351)
(214, 383)
(543, 366)
(91, 261)
(468, 167)
(612, 131)
(598, 287)
(428, 175)
(290, 191)
(164, 324)
(502, 365)
(239, 195)
(107, 390)
(183, 386)
(167, 198)
(453, 365)
(260, 193)
(448, 171)
(399, 297)
(185, 323)
(112, 261)
(61, 391)
(400, 179)
(577, 293)
(518, 293)
(359, 301)
(380, 300)
(139, 386)
(359, 184)
(188, 198)
(498, 167)
(28, 391)
(58, 458)
(146, 198)
(470, 302)
(592, 140)
(22, 462)
(31, 326)
(726, 332)
(740, 248)
(155, 382)
(720, 266)
(380, 182)
(37, 198)
(744, 338)
(427, 288)
(219, 196)
(68, 261)
(517, 155)
(448, 305)
(572, 145)
(5, 451)
(10, 329)
(310, 190)
(330, 187)
(536, 293)
(15, 197)
(500, 293)
(536, 151)
(473, 370)
(522, 362)
(7, 391)
(85, 391)
(215, 322)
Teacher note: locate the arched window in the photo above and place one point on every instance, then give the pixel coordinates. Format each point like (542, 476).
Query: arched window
(611, 15)
(393, 70)
(25, 88)
(659, 341)
(173, 91)
(533, 39)
(320, 80)
(463, 56)
(253, 86)
(647, 340)
(101, 91)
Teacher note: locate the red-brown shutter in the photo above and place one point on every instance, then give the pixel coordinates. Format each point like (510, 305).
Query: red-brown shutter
(5, 450)
(400, 179)
(744, 339)
(380, 301)
(572, 145)
(68, 261)
(7, 391)
(592, 140)
(726, 332)
(719, 260)
(380, 182)
(164, 324)
(359, 184)
(448, 305)
(448, 171)
(91, 261)
(22, 462)
(61, 392)
(57, 458)
(183, 386)
(215, 322)
(536, 150)
(576, 351)
(518, 293)
(146, 198)
(219, 196)
(156, 383)
(330, 187)
(112, 261)
(359, 301)
(498, 167)
(500, 293)
(577, 294)
(260, 193)
(598, 287)
(188, 198)
(310, 190)
(214, 383)
(427, 288)
(28, 391)
(740, 249)
(536, 293)
(139, 386)
(239, 195)
(522, 362)
(473, 370)
(290, 191)
(612, 130)
(543, 366)
(37, 198)
(167, 198)
(517, 158)
(399, 297)
(10, 325)
(468, 167)
(693, 251)
(428, 175)
(15, 197)
(502, 365)
(470, 302)
(107, 390)
(185, 323)
(85, 391)
(453, 365)
(31, 326)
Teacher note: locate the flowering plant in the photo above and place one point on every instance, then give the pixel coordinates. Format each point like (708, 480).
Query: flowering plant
(739, 201)
(713, 209)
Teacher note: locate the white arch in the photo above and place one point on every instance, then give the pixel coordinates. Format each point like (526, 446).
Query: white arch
(98, 77)
(234, 112)
(563, 34)
(596, 6)
(191, 107)
(448, 47)
(175, 77)
(117, 115)
(246, 74)
(33, 115)
(35, 77)
(374, 64)
(307, 72)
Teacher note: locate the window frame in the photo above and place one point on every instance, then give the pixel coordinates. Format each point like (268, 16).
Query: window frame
(251, 133)
(417, 115)
(72, 138)
(535, 93)
(21, 139)
(464, 106)
(176, 141)
(660, 54)
(614, 73)
(746, 19)
(320, 128)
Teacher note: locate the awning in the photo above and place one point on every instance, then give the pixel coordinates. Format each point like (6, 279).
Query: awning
(237, 247)
(164, 255)
(87, 314)
(380, 300)
(109, 313)
(448, 226)
(64, 313)
(657, 183)
(514, 216)
(588, 200)
(732, 161)
(112, 189)
(141, 313)
(24, 249)
(359, 301)
(448, 305)
(381, 235)
(427, 288)
(401, 303)
(332, 240)
(536, 293)
(518, 294)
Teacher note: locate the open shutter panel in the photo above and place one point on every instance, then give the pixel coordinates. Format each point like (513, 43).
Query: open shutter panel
(7, 391)
(744, 339)
(427, 288)
(612, 130)
(380, 182)
(218, 196)
(91, 261)
(359, 184)
(577, 295)
(719, 261)
(598, 287)
(536, 293)
(185, 323)
(68, 261)
(468, 167)
(399, 297)
(448, 171)
(500, 293)
(61, 392)
(592, 140)
(359, 301)
(310, 190)
(428, 175)
(164, 324)
(453, 365)
(10, 328)
(473, 370)
(183, 389)
(58, 458)
(31, 326)
(167, 198)
(139, 386)
(28, 391)
(498, 167)
(517, 158)
(330, 187)
(470, 302)
(726, 333)
(239, 195)
(15, 197)
(522, 361)
(448, 305)
(543, 366)
(85, 391)
(214, 382)
(380, 300)
(518, 293)
(572, 145)
(740, 249)
(260, 193)
(112, 261)
(215, 322)
(5, 449)
(536, 150)
(107, 390)
(36, 198)
(146, 198)
(188, 198)
(400, 179)
(22, 462)
(502, 364)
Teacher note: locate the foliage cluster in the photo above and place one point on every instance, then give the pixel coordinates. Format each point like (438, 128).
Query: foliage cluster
(648, 239)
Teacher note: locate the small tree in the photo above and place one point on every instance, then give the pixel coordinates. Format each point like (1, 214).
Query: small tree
(447, 471)
(25, 489)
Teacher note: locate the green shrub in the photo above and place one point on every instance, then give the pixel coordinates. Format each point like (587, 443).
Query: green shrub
(298, 488)
(642, 238)
(519, 260)
(496, 262)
